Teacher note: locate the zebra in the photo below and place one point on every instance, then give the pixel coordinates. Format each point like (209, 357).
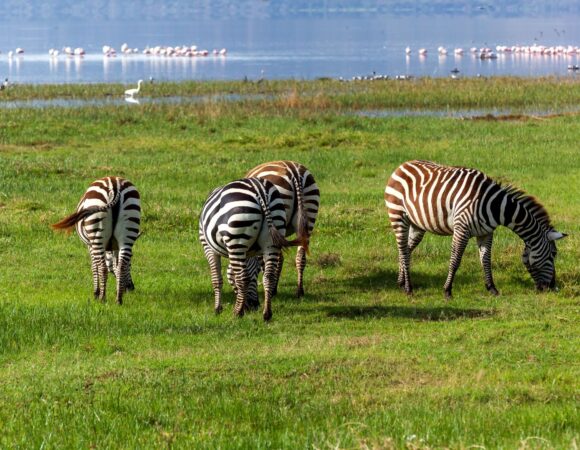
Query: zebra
(242, 219)
(424, 196)
(107, 220)
(301, 198)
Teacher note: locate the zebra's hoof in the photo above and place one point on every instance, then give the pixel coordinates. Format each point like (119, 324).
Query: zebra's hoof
(267, 315)
(300, 292)
(239, 313)
(253, 306)
(448, 295)
(218, 310)
(492, 290)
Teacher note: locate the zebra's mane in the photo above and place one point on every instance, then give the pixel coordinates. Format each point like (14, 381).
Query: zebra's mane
(531, 203)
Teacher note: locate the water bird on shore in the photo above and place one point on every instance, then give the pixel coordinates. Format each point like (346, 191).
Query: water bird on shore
(134, 91)
(4, 84)
(455, 70)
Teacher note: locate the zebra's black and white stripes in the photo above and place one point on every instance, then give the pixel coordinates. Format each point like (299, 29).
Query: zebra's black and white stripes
(424, 196)
(240, 220)
(301, 197)
(107, 220)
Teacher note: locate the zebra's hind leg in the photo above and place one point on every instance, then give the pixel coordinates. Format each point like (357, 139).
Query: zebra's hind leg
(415, 237)
(401, 228)
(300, 265)
(215, 267)
(271, 262)
(484, 245)
(123, 272)
(99, 268)
(460, 240)
(242, 276)
(95, 272)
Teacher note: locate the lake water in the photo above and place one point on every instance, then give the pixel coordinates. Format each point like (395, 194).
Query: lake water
(275, 46)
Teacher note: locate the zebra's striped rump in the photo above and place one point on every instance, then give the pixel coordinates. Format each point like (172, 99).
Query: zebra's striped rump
(107, 220)
(424, 196)
(301, 197)
(240, 220)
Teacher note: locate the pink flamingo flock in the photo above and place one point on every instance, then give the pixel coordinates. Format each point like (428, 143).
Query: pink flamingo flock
(489, 53)
(110, 52)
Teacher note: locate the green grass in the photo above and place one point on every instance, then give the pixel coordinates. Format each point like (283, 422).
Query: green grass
(355, 363)
(328, 94)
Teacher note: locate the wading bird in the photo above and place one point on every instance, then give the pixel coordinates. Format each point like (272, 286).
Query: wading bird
(132, 92)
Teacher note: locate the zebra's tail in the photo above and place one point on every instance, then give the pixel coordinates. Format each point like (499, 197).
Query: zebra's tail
(277, 239)
(302, 231)
(70, 221)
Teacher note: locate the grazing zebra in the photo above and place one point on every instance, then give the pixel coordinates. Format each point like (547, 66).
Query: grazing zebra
(242, 219)
(107, 220)
(301, 199)
(424, 196)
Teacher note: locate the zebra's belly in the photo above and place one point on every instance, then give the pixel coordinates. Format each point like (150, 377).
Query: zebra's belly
(436, 222)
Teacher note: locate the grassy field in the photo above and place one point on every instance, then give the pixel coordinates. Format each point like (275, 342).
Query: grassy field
(355, 363)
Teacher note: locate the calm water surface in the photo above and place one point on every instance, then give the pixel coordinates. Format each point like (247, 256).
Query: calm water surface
(276, 48)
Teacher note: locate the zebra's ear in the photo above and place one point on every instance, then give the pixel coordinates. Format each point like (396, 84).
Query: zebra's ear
(556, 235)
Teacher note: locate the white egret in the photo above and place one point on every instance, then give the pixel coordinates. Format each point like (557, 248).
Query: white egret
(135, 91)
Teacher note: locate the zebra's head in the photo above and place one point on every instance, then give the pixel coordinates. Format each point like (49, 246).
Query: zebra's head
(539, 259)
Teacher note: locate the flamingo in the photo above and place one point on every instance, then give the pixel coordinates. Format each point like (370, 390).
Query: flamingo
(132, 92)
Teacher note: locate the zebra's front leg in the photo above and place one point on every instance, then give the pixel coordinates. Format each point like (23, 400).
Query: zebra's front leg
(460, 240)
(215, 266)
(254, 266)
(231, 278)
(300, 265)
(271, 261)
(484, 245)
(279, 266)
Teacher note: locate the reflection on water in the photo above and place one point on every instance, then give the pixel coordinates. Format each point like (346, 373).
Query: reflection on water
(132, 100)
(283, 39)
(122, 100)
